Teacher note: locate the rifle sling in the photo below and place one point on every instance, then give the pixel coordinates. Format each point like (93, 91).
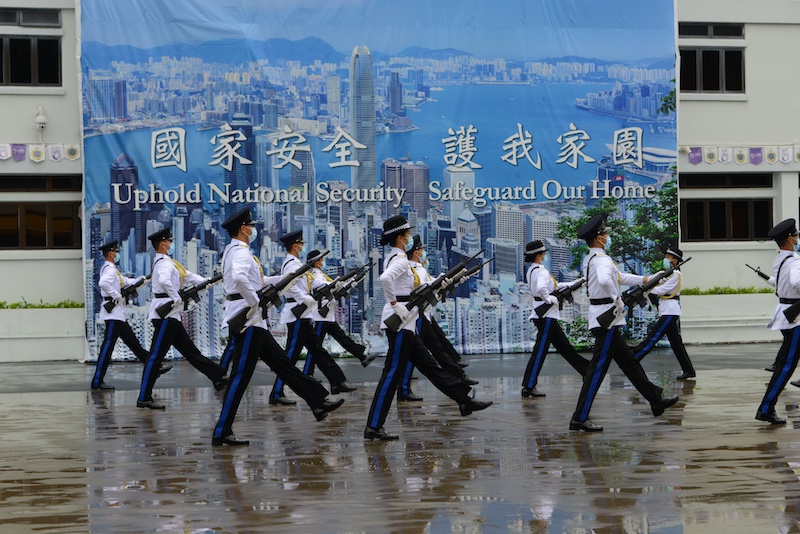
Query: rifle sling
(778, 275)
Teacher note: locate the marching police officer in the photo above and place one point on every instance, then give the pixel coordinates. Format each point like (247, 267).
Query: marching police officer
(602, 281)
(167, 278)
(242, 276)
(111, 283)
(326, 324)
(548, 330)
(301, 332)
(439, 347)
(668, 294)
(787, 288)
(397, 281)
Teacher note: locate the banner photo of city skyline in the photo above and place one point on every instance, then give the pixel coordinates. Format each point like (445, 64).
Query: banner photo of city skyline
(486, 124)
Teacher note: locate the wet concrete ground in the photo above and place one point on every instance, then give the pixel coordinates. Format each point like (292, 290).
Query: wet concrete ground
(74, 461)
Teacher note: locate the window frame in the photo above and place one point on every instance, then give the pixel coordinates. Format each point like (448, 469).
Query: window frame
(728, 203)
(33, 42)
(704, 38)
(50, 225)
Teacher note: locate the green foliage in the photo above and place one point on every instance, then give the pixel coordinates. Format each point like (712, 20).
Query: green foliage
(668, 102)
(578, 334)
(40, 305)
(722, 290)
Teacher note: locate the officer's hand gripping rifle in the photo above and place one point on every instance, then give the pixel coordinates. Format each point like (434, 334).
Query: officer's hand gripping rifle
(759, 272)
(562, 294)
(268, 296)
(428, 294)
(187, 295)
(637, 295)
(326, 291)
(128, 293)
(342, 290)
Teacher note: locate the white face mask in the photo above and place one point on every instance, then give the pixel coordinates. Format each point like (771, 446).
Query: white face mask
(253, 234)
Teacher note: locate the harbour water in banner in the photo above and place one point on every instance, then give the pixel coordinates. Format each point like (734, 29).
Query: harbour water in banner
(486, 124)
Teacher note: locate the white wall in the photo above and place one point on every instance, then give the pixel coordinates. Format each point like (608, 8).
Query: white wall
(767, 114)
(46, 275)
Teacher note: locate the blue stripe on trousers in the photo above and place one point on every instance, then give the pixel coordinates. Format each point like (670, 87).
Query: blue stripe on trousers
(308, 368)
(658, 334)
(233, 386)
(779, 382)
(226, 357)
(398, 343)
(153, 351)
(405, 382)
(597, 376)
(105, 352)
(537, 363)
(292, 345)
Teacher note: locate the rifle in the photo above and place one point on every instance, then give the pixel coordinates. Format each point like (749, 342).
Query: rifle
(337, 294)
(565, 293)
(128, 293)
(459, 278)
(269, 295)
(759, 272)
(428, 294)
(187, 295)
(636, 295)
(325, 291)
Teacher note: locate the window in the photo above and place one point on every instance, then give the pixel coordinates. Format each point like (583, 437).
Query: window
(41, 183)
(720, 180)
(30, 60)
(40, 225)
(716, 67)
(725, 219)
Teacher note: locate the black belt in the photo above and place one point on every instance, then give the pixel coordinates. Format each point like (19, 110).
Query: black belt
(108, 299)
(161, 296)
(290, 300)
(403, 298)
(538, 299)
(789, 301)
(234, 296)
(597, 302)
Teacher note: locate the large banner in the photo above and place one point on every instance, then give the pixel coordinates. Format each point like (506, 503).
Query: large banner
(487, 124)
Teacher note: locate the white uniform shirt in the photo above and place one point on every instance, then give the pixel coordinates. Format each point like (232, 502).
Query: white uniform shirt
(322, 280)
(667, 291)
(297, 291)
(424, 279)
(166, 279)
(242, 274)
(541, 285)
(788, 287)
(110, 283)
(602, 281)
(396, 280)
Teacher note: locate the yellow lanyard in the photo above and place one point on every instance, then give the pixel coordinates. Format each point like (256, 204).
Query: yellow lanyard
(182, 271)
(309, 279)
(327, 278)
(260, 268)
(417, 280)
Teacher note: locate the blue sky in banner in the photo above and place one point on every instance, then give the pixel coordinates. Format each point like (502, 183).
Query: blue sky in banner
(513, 29)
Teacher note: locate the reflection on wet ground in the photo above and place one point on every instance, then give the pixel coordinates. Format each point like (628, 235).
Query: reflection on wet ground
(74, 461)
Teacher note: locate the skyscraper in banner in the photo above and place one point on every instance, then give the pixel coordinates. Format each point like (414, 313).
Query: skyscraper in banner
(395, 94)
(241, 176)
(300, 178)
(125, 174)
(362, 118)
